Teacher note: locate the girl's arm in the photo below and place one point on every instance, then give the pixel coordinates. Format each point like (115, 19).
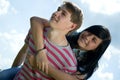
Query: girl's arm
(20, 56)
(57, 74)
(60, 75)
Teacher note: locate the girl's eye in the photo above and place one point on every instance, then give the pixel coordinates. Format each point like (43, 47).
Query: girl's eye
(94, 39)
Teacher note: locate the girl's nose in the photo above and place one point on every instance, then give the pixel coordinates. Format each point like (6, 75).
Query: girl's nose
(89, 38)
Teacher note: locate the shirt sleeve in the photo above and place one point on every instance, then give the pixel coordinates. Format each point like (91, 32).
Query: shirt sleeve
(27, 37)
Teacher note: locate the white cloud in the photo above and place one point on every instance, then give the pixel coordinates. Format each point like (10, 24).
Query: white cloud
(14, 10)
(103, 72)
(14, 39)
(4, 6)
(6, 62)
(12, 42)
(104, 75)
(111, 54)
(107, 55)
(103, 6)
(119, 63)
(111, 51)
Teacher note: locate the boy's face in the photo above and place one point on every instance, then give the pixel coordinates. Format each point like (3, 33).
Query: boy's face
(61, 19)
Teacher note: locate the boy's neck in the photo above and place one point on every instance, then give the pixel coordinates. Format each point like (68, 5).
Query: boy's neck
(57, 38)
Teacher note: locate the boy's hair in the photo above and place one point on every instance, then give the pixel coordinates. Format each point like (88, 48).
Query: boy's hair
(76, 13)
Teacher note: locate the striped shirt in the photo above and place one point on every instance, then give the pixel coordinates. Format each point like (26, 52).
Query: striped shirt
(60, 57)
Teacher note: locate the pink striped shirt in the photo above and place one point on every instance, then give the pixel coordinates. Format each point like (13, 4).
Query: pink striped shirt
(61, 58)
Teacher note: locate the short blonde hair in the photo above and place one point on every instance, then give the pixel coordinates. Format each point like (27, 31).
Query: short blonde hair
(76, 13)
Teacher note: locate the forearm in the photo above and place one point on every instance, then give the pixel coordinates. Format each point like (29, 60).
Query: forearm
(55, 73)
(59, 75)
(20, 56)
(37, 26)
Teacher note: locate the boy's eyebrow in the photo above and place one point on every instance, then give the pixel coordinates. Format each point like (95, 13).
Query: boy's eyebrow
(66, 11)
(63, 9)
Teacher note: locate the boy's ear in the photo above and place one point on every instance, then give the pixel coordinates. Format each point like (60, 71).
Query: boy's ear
(73, 26)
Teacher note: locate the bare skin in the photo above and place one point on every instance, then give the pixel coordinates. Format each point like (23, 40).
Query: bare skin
(88, 41)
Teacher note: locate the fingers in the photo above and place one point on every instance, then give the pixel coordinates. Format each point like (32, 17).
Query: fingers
(77, 73)
(42, 61)
(46, 68)
(36, 64)
(43, 67)
(80, 77)
(30, 59)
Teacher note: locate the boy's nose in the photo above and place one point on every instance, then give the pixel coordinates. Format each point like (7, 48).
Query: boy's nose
(57, 13)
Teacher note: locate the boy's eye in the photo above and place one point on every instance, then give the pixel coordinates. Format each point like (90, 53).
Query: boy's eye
(62, 10)
(63, 13)
(58, 9)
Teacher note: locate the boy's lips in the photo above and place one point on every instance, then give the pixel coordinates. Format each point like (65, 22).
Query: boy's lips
(53, 18)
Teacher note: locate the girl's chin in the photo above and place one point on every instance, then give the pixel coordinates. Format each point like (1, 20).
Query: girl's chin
(82, 47)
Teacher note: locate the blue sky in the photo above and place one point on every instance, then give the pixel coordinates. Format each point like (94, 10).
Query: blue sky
(14, 25)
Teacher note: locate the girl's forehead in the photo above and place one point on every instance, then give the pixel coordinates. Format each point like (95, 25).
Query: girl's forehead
(88, 32)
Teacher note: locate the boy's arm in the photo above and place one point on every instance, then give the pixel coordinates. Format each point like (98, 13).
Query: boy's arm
(20, 56)
(37, 26)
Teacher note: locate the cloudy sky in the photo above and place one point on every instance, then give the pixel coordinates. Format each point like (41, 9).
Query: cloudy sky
(14, 24)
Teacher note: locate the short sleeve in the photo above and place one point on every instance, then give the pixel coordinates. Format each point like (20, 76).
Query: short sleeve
(27, 37)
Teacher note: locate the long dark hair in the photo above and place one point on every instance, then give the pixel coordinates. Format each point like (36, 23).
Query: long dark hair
(89, 61)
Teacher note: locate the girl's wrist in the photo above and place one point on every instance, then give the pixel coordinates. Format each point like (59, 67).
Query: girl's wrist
(39, 50)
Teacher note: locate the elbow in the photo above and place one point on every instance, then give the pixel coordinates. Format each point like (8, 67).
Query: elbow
(33, 21)
(33, 18)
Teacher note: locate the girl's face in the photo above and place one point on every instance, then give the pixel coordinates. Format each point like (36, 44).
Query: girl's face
(88, 41)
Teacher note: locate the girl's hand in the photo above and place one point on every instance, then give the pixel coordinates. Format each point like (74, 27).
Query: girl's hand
(42, 61)
(79, 76)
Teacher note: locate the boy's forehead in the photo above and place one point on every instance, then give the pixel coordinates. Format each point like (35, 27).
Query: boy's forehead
(65, 8)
